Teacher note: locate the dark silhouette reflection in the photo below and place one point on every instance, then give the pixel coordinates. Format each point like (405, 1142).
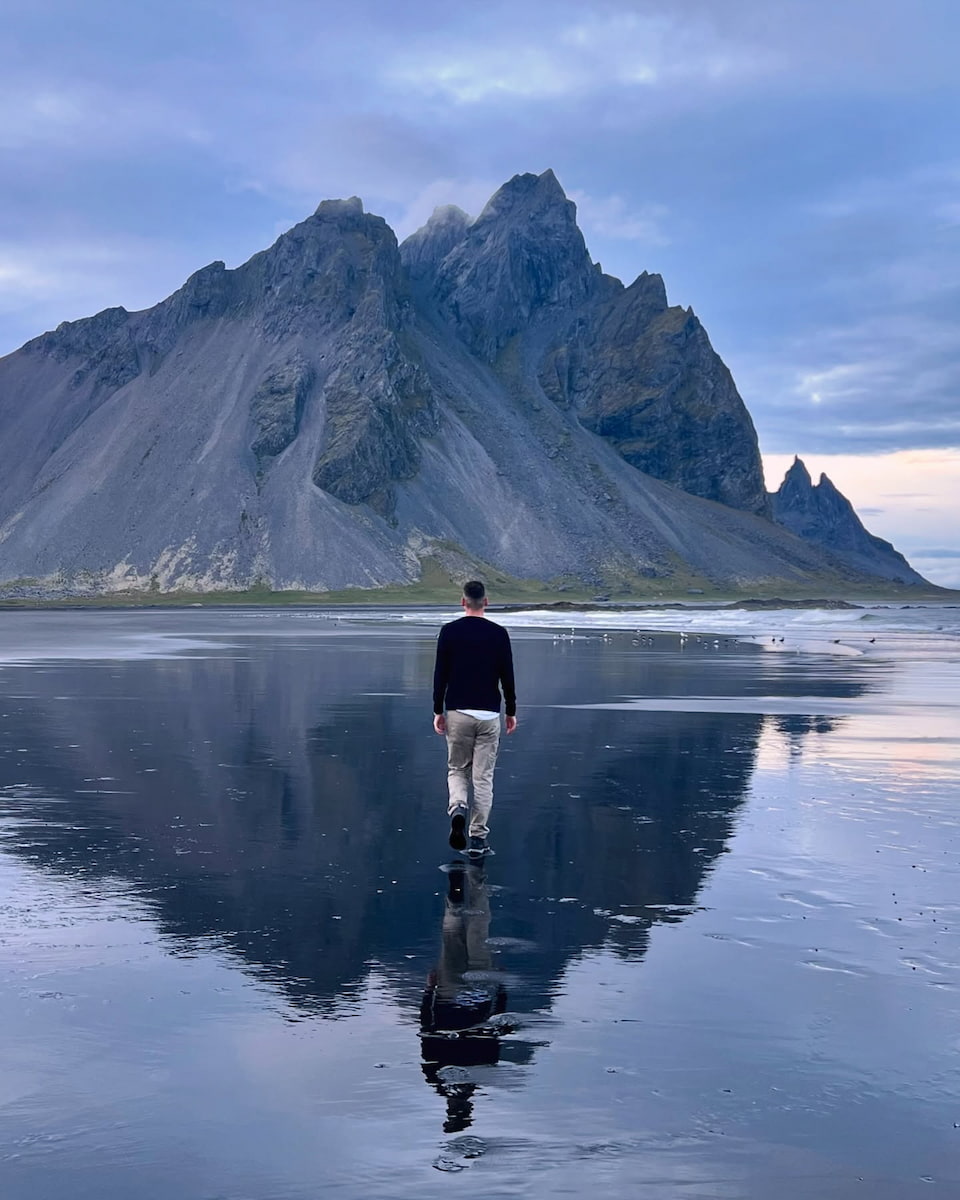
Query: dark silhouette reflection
(463, 994)
(286, 802)
(797, 727)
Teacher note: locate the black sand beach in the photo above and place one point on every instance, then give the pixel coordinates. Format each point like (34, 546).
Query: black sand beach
(718, 939)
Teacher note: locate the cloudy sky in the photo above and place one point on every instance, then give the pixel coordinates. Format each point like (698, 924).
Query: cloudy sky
(791, 167)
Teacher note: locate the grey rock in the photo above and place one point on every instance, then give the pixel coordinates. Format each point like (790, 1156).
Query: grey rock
(78, 338)
(822, 515)
(422, 252)
(645, 377)
(379, 405)
(522, 259)
(277, 406)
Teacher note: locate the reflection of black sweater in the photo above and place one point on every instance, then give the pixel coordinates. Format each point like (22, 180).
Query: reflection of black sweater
(474, 659)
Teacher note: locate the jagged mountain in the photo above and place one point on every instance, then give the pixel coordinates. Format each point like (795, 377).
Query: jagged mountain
(822, 515)
(520, 289)
(339, 409)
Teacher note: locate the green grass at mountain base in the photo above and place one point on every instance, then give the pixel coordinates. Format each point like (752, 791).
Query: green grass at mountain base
(442, 576)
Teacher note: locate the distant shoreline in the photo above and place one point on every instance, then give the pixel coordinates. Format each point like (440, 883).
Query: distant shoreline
(445, 598)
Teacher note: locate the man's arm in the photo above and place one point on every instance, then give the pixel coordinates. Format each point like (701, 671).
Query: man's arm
(441, 677)
(507, 683)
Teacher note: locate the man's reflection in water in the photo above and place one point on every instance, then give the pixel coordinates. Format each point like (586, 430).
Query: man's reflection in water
(463, 994)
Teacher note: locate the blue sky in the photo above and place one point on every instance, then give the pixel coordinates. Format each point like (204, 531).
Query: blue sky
(791, 168)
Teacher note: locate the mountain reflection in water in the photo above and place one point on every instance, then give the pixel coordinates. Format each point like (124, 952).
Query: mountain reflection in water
(284, 805)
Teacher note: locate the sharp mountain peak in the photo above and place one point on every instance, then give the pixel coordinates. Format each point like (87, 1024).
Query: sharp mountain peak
(526, 195)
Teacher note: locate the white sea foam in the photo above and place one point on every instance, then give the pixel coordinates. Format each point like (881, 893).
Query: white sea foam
(915, 629)
(928, 632)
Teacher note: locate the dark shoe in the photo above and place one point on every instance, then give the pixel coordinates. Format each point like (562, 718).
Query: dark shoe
(478, 847)
(458, 836)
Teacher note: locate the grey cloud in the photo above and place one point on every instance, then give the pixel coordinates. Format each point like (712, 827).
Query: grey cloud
(875, 363)
(652, 44)
(578, 53)
(377, 156)
(944, 572)
(854, 393)
(78, 117)
(44, 281)
(613, 217)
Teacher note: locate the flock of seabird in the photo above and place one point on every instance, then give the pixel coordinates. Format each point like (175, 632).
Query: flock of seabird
(645, 639)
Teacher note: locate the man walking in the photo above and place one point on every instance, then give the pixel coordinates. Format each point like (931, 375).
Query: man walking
(474, 660)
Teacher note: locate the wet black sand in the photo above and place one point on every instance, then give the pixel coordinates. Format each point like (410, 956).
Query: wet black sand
(714, 955)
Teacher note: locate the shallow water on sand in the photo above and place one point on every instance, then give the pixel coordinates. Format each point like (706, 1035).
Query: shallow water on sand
(716, 953)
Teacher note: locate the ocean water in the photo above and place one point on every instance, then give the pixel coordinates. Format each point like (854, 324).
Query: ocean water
(716, 952)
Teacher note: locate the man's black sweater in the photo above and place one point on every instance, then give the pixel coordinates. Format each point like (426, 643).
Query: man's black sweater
(474, 659)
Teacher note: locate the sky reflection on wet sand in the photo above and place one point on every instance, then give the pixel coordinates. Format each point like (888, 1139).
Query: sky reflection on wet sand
(724, 944)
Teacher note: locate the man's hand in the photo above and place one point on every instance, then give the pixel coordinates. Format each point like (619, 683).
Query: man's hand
(511, 724)
(439, 723)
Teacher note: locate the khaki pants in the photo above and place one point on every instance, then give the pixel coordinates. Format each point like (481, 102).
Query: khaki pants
(471, 754)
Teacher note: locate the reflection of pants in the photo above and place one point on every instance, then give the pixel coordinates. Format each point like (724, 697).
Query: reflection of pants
(471, 752)
(457, 1007)
(465, 929)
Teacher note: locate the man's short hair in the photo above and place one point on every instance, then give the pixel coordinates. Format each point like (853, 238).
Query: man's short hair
(474, 593)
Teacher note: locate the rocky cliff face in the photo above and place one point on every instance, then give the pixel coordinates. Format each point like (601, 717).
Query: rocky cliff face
(645, 377)
(820, 514)
(518, 286)
(338, 408)
(522, 261)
